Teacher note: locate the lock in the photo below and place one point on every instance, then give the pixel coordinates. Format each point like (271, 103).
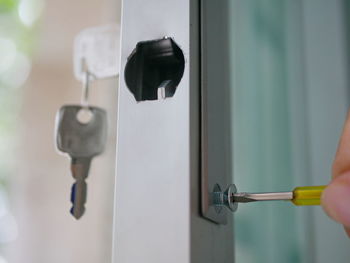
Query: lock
(154, 69)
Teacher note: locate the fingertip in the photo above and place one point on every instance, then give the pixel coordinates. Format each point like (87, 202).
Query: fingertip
(336, 200)
(347, 231)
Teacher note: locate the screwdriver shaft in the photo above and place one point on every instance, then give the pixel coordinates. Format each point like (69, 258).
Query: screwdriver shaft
(300, 196)
(253, 197)
(305, 195)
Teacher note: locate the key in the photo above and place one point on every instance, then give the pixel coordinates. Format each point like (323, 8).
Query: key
(82, 139)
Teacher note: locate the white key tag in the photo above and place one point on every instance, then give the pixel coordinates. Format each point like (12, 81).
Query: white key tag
(99, 48)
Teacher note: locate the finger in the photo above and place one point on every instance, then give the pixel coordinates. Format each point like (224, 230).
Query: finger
(341, 162)
(347, 230)
(336, 199)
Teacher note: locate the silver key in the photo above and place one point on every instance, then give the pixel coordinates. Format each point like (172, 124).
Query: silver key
(81, 140)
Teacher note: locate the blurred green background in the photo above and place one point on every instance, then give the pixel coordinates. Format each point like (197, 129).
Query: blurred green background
(17, 39)
(18, 20)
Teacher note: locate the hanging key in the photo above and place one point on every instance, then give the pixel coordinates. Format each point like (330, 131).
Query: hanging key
(81, 133)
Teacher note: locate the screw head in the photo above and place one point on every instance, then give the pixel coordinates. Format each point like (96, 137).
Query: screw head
(228, 196)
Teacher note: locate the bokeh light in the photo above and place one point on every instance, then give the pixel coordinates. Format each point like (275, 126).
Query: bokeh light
(29, 11)
(2, 260)
(17, 19)
(7, 53)
(18, 72)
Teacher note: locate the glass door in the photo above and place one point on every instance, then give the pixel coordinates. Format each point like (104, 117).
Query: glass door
(283, 69)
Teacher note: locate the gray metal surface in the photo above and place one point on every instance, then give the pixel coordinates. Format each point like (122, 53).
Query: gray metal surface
(216, 106)
(157, 208)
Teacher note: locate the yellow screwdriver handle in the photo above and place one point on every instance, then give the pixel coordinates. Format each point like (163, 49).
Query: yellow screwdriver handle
(308, 195)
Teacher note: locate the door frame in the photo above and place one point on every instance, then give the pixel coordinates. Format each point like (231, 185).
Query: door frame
(158, 192)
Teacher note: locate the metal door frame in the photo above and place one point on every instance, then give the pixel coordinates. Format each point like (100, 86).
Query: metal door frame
(158, 207)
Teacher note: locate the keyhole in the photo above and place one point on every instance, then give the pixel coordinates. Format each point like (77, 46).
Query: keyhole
(154, 69)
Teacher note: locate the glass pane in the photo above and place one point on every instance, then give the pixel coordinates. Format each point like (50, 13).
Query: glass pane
(262, 139)
(274, 129)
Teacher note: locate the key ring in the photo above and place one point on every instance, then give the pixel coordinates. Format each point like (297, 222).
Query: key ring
(85, 115)
(85, 93)
(86, 84)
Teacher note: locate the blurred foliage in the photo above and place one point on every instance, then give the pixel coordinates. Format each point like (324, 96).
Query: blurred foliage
(8, 5)
(20, 36)
(17, 34)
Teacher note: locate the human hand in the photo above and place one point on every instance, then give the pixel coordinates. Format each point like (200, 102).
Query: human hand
(336, 196)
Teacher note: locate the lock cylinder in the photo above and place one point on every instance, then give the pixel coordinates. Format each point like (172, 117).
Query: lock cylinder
(154, 69)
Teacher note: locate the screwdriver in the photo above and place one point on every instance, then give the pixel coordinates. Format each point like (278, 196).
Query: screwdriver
(304, 195)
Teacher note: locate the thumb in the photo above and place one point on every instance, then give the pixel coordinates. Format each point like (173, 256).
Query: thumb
(336, 197)
(336, 200)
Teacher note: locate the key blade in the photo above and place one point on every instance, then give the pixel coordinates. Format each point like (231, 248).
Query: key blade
(78, 198)
(80, 169)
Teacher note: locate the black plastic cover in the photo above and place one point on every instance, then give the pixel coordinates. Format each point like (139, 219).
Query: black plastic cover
(152, 65)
